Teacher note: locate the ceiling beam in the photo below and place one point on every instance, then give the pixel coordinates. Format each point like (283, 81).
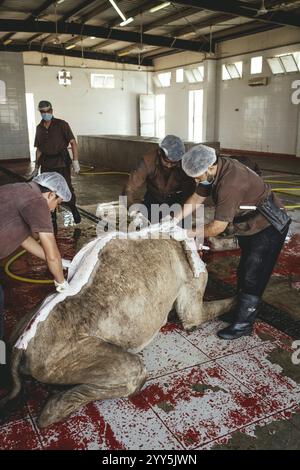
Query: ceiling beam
(66, 16)
(238, 8)
(106, 5)
(46, 4)
(24, 47)
(221, 36)
(155, 24)
(98, 31)
(190, 28)
(116, 22)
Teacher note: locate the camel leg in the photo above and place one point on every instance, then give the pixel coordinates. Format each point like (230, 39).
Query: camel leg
(189, 302)
(191, 309)
(103, 371)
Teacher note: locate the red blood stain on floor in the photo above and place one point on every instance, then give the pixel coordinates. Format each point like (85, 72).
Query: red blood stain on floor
(184, 409)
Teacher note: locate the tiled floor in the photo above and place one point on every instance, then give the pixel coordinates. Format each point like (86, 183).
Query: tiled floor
(201, 392)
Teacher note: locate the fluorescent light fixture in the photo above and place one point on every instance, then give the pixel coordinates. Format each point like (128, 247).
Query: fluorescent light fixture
(118, 9)
(92, 37)
(60, 1)
(160, 7)
(8, 41)
(124, 23)
(121, 54)
(70, 46)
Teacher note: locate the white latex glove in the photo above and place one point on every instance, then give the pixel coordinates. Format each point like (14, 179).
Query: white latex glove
(169, 218)
(61, 287)
(139, 220)
(65, 263)
(168, 223)
(76, 166)
(179, 234)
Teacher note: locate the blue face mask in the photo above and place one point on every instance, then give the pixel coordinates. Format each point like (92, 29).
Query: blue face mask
(47, 116)
(206, 182)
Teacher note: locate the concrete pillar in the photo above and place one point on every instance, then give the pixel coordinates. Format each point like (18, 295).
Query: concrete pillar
(209, 99)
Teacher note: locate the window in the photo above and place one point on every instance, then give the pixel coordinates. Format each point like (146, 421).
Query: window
(179, 75)
(230, 71)
(195, 75)
(297, 58)
(64, 77)
(275, 65)
(256, 65)
(195, 115)
(285, 63)
(162, 80)
(3, 98)
(160, 115)
(225, 73)
(102, 80)
(289, 63)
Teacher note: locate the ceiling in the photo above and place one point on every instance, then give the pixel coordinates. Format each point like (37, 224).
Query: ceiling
(91, 28)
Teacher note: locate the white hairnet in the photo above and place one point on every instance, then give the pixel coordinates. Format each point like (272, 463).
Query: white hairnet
(173, 147)
(56, 183)
(196, 161)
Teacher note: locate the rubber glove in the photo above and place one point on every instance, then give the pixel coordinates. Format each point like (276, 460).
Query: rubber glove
(76, 166)
(61, 287)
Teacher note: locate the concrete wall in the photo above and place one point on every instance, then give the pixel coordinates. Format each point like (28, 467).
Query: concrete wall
(88, 110)
(118, 153)
(14, 141)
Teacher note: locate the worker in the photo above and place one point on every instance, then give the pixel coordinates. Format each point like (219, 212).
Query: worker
(51, 141)
(25, 213)
(166, 183)
(261, 227)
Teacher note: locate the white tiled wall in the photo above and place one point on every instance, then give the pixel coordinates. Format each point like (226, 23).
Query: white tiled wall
(13, 121)
(259, 118)
(90, 111)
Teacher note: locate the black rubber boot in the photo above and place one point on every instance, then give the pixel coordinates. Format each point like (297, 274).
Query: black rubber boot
(246, 314)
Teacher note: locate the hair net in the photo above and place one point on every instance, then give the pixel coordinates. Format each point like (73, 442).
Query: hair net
(196, 161)
(56, 183)
(44, 105)
(173, 147)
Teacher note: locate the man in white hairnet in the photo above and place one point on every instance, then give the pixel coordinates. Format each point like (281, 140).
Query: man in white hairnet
(25, 214)
(243, 201)
(161, 172)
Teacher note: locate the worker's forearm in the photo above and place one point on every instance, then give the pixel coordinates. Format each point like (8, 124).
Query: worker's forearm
(213, 229)
(33, 247)
(55, 267)
(189, 206)
(74, 147)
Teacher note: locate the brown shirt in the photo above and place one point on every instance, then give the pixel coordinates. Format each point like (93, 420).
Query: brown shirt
(23, 212)
(235, 184)
(53, 141)
(161, 182)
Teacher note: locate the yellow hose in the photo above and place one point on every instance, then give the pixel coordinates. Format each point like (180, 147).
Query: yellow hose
(21, 278)
(295, 183)
(104, 173)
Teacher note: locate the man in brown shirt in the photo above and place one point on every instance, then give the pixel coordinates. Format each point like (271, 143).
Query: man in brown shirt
(51, 141)
(160, 170)
(25, 213)
(232, 185)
